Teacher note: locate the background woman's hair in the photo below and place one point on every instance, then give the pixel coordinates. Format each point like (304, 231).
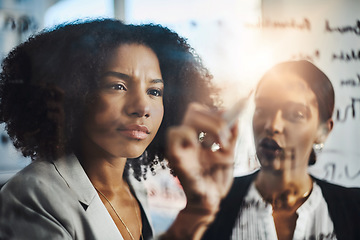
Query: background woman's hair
(47, 81)
(318, 82)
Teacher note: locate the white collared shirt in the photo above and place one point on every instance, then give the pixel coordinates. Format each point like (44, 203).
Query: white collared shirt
(255, 220)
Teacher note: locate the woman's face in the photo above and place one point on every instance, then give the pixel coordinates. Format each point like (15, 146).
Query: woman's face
(127, 109)
(285, 122)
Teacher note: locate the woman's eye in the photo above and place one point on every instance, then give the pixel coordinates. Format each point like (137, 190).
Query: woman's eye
(296, 115)
(300, 114)
(118, 87)
(155, 92)
(296, 112)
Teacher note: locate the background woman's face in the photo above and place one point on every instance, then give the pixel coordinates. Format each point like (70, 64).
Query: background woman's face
(285, 122)
(127, 109)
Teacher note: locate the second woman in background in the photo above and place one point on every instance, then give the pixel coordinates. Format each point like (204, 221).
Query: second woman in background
(294, 103)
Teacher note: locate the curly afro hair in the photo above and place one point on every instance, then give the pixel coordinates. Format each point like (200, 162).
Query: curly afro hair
(45, 83)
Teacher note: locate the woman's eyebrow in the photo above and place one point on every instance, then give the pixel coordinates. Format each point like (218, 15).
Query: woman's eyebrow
(127, 77)
(295, 104)
(117, 75)
(157, 80)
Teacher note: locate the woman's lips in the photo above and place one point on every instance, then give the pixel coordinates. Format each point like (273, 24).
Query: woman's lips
(138, 132)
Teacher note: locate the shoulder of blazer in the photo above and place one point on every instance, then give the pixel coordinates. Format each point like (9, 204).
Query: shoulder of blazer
(344, 208)
(225, 220)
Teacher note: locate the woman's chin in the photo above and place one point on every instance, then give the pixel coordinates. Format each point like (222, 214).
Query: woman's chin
(126, 152)
(271, 162)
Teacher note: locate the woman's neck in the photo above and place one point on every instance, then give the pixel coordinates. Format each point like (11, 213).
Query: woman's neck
(105, 172)
(284, 189)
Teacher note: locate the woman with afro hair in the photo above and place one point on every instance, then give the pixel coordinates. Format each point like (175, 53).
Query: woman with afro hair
(91, 102)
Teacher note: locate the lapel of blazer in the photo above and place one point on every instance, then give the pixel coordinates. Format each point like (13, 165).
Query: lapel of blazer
(95, 214)
(230, 207)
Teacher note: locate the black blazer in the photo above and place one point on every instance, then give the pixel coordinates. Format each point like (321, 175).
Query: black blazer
(343, 204)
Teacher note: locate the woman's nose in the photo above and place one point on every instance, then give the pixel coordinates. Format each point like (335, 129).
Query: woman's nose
(275, 124)
(138, 105)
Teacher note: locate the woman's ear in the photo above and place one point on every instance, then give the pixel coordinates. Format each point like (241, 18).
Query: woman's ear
(324, 130)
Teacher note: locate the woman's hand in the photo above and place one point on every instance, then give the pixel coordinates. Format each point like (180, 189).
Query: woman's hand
(205, 175)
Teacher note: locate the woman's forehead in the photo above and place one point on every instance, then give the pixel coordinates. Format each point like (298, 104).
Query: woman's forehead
(284, 81)
(285, 86)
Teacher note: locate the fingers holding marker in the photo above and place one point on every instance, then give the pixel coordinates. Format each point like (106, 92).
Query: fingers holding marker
(179, 140)
(204, 120)
(215, 126)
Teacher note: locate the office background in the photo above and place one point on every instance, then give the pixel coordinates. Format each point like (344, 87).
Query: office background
(238, 40)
